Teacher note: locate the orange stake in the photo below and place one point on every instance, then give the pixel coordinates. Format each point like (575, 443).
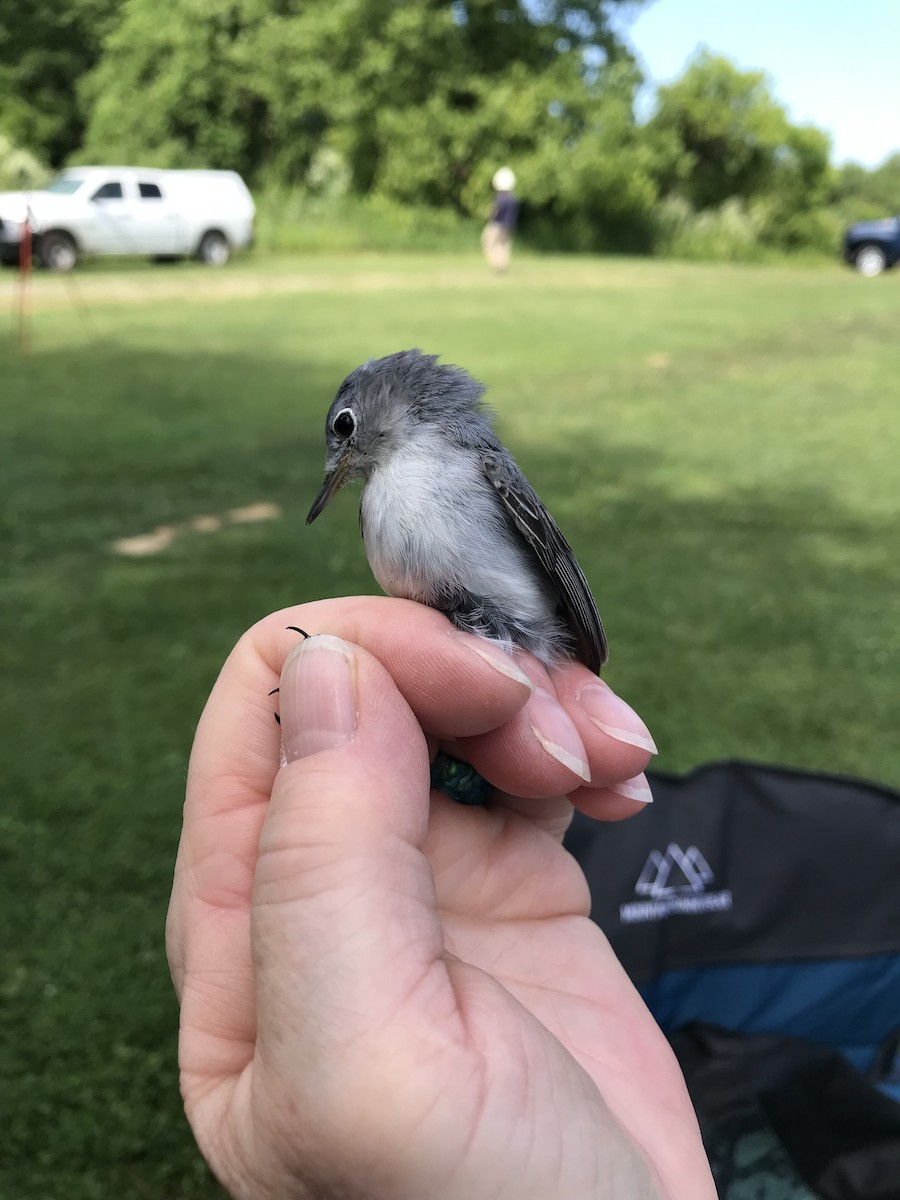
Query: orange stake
(24, 282)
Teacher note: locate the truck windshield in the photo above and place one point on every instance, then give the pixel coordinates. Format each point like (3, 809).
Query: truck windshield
(65, 185)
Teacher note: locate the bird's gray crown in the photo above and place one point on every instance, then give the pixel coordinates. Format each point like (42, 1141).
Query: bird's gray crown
(390, 403)
(415, 382)
(388, 406)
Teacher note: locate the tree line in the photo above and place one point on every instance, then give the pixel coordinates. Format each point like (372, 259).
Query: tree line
(417, 102)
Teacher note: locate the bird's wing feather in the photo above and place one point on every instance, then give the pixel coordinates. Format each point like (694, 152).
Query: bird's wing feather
(553, 552)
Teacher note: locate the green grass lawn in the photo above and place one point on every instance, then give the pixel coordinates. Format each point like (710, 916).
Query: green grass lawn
(720, 445)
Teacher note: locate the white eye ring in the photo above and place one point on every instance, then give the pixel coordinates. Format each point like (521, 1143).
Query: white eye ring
(339, 427)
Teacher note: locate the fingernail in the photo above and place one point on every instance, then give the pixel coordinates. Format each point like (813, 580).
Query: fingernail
(498, 658)
(616, 718)
(318, 697)
(556, 733)
(634, 789)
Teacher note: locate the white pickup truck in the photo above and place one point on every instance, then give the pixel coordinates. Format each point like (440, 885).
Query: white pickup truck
(129, 210)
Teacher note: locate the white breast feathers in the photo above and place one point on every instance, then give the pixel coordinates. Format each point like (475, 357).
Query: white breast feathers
(433, 526)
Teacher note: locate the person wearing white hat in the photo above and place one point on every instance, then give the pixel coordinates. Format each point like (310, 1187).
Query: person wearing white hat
(497, 236)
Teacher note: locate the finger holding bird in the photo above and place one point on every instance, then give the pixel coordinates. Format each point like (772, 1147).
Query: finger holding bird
(464, 694)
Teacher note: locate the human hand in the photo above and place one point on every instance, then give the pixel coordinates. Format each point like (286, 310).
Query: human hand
(390, 995)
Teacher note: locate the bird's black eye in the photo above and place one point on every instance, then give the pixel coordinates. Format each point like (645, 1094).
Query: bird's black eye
(344, 423)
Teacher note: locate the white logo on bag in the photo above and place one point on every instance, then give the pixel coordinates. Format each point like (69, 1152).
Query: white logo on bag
(675, 883)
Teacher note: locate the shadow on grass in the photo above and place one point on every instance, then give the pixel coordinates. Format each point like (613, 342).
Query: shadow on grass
(741, 623)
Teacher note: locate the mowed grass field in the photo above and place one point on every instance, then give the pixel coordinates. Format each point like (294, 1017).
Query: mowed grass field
(720, 444)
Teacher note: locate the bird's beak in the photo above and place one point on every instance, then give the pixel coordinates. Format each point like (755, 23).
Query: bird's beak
(331, 485)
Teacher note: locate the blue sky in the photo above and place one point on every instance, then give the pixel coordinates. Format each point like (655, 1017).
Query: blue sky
(834, 65)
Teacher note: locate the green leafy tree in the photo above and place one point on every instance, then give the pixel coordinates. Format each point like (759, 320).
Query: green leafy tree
(728, 142)
(727, 128)
(590, 177)
(793, 208)
(862, 193)
(178, 86)
(421, 99)
(19, 170)
(883, 185)
(45, 49)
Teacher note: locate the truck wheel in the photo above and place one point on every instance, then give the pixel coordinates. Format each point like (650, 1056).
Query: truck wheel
(214, 250)
(57, 251)
(870, 260)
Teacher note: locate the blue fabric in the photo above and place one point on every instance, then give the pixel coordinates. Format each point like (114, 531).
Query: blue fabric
(891, 1081)
(506, 210)
(851, 1005)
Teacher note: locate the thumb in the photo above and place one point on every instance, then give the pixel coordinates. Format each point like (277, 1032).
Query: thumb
(357, 773)
(344, 719)
(344, 915)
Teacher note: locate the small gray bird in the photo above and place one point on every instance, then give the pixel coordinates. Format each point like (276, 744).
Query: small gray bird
(447, 517)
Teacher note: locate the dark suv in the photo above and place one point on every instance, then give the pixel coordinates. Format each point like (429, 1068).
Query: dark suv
(873, 246)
